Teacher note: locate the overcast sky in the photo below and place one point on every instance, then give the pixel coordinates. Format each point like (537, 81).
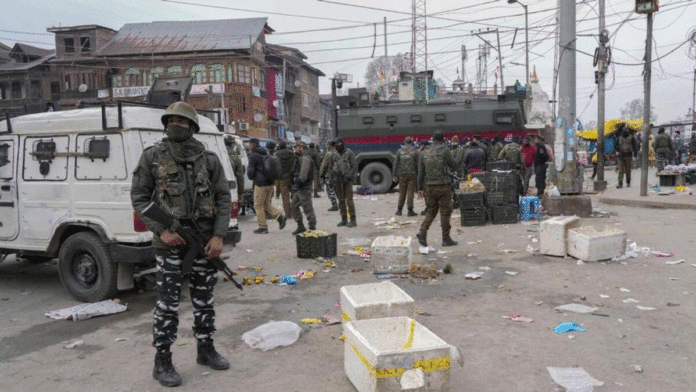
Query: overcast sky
(672, 86)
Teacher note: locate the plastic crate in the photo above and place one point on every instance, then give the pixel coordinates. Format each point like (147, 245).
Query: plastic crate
(497, 198)
(504, 214)
(311, 247)
(471, 199)
(473, 216)
(500, 165)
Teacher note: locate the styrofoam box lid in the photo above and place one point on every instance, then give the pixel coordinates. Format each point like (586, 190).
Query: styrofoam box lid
(391, 241)
(375, 293)
(389, 335)
(591, 232)
(560, 219)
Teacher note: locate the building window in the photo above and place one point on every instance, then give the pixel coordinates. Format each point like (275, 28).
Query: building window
(84, 45)
(262, 75)
(16, 90)
(117, 81)
(305, 100)
(198, 72)
(72, 81)
(69, 45)
(244, 74)
(131, 77)
(174, 70)
(155, 73)
(88, 80)
(217, 73)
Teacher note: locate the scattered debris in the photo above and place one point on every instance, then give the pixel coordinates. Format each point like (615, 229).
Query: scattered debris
(205, 373)
(603, 296)
(519, 318)
(672, 304)
(85, 311)
(566, 327)
(539, 303)
(531, 249)
(272, 334)
(330, 320)
(637, 368)
(511, 273)
(75, 344)
(311, 321)
(573, 379)
(120, 339)
(448, 269)
(673, 278)
(474, 242)
(426, 271)
(645, 307)
(485, 268)
(576, 308)
(662, 254)
(675, 262)
(580, 262)
(473, 276)
(474, 255)
(508, 251)
(386, 276)
(630, 300)
(625, 290)
(287, 280)
(355, 270)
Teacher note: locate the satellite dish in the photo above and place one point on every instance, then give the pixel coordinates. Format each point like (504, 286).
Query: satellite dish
(298, 83)
(275, 103)
(82, 88)
(258, 117)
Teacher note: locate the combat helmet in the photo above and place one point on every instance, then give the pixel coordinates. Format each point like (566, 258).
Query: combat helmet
(182, 109)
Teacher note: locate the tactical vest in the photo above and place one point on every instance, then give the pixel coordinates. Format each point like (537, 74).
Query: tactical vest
(408, 165)
(183, 190)
(436, 169)
(512, 153)
(341, 167)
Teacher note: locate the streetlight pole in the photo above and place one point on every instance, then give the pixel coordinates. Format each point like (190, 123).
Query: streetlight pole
(526, 37)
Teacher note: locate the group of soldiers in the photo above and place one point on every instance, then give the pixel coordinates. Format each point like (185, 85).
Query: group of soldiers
(303, 168)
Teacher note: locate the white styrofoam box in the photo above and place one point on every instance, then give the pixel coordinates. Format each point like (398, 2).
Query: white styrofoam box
(374, 300)
(554, 232)
(391, 255)
(588, 244)
(375, 357)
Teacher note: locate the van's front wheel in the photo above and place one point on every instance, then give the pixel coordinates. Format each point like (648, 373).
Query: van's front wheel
(85, 268)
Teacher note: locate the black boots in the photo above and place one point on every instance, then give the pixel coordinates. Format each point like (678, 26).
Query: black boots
(207, 356)
(398, 212)
(411, 212)
(281, 222)
(343, 222)
(261, 230)
(447, 241)
(352, 222)
(333, 208)
(164, 370)
(300, 229)
(316, 195)
(424, 212)
(619, 186)
(422, 237)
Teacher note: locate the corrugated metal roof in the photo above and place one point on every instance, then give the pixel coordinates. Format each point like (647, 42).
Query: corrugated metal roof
(14, 66)
(184, 36)
(31, 50)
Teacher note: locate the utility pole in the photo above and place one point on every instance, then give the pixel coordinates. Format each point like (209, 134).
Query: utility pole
(601, 185)
(334, 112)
(565, 146)
(693, 103)
(386, 63)
(500, 63)
(646, 108)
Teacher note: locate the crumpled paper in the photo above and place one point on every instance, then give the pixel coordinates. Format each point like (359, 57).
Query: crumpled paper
(574, 379)
(85, 311)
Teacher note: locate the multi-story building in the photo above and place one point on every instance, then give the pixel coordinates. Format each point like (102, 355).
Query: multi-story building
(326, 132)
(28, 82)
(298, 112)
(83, 76)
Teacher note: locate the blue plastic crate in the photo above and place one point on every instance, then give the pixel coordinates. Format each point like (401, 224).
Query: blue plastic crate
(530, 208)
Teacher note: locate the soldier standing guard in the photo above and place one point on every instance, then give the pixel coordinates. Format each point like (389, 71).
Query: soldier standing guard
(433, 176)
(344, 168)
(189, 183)
(287, 160)
(405, 171)
(326, 174)
(237, 167)
(302, 179)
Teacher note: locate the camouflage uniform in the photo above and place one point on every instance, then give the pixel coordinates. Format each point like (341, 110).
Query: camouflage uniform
(326, 172)
(406, 169)
(237, 168)
(287, 160)
(303, 176)
(344, 168)
(494, 152)
(314, 155)
(434, 176)
(159, 174)
(663, 148)
(513, 154)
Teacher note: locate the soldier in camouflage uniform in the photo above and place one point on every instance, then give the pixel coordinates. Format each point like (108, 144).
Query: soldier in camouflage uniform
(163, 176)
(312, 152)
(326, 174)
(405, 171)
(513, 153)
(496, 148)
(287, 160)
(663, 148)
(237, 167)
(434, 169)
(343, 167)
(302, 179)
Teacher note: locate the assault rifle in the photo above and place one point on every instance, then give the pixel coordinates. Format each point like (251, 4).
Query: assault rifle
(195, 241)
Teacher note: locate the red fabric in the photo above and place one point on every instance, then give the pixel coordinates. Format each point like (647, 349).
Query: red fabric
(472, 171)
(271, 91)
(528, 152)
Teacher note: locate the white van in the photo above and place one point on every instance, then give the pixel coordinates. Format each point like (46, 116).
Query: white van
(65, 180)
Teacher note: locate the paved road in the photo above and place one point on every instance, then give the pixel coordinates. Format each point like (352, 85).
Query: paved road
(500, 355)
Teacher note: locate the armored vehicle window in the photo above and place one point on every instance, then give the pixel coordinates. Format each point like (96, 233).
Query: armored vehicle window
(4, 154)
(391, 119)
(44, 150)
(368, 120)
(97, 148)
(100, 157)
(45, 158)
(440, 117)
(416, 118)
(505, 118)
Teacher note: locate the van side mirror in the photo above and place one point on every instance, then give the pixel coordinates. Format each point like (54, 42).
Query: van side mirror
(97, 148)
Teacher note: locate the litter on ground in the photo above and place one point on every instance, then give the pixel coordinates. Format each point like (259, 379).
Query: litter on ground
(473, 276)
(576, 308)
(85, 311)
(566, 327)
(518, 317)
(573, 379)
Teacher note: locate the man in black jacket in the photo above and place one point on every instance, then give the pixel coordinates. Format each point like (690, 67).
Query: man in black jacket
(263, 188)
(541, 158)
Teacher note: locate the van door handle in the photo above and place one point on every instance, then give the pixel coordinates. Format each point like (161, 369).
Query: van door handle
(5, 187)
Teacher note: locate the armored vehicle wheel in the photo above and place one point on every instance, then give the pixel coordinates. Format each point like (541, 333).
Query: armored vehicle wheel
(85, 268)
(377, 176)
